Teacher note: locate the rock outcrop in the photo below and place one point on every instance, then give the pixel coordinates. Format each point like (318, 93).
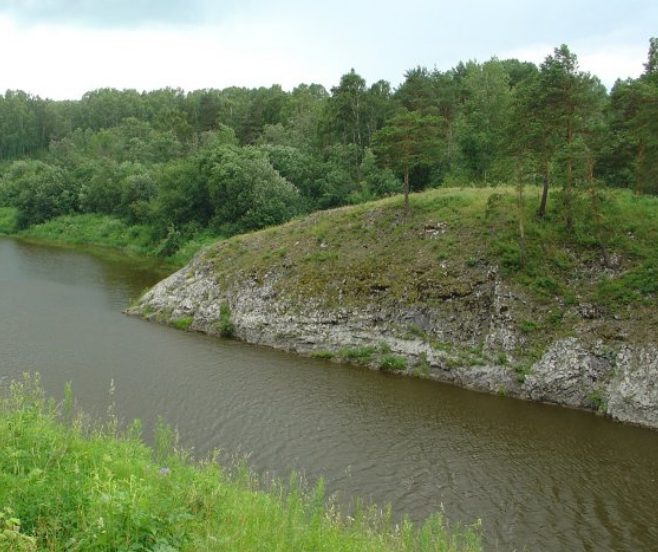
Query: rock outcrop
(473, 337)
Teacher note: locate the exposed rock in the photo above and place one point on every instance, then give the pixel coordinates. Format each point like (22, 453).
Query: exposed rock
(633, 393)
(569, 374)
(465, 334)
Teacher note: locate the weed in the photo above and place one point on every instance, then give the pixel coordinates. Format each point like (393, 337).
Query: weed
(384, 348)
(360, 355)
(528, 326)
(7, 220)
(417, 331)
(328, 355)
(522, 371)
(422, 367)
(11, 539)
(182, 323)
(98, 490)
(321, 257)
(225, 326)
(556, 317)
(393, 363)
(597, 400)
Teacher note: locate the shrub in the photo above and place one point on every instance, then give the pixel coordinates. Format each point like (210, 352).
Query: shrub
(527, 326)
(11, 539)
(225, 326)
(181, 323)
(327, 355)
(38, 191)
(360, 355)
(393, 363)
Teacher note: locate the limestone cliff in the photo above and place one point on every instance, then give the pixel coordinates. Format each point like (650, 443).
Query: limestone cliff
(430, 305)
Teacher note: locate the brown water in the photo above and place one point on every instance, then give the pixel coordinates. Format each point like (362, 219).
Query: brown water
(539, 477)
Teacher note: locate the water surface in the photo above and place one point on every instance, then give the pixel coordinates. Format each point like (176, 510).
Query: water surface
(540, 477)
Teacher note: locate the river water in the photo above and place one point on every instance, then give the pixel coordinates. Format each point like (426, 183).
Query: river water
(539, 477)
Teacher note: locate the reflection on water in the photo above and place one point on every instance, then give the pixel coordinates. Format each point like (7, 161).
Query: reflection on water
(546, 478)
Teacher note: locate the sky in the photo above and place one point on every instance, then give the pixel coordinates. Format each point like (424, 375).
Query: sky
(60, 49)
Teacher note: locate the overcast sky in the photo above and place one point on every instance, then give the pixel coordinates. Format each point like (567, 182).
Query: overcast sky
(61, 49)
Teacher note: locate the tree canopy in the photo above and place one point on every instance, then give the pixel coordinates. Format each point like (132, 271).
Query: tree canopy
(238, 159)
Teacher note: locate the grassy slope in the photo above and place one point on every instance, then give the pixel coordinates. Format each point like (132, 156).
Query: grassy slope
(370, 254)
(97, 230)
(81, 487)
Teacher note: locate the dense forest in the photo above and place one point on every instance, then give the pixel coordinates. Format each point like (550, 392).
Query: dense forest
(220, 162)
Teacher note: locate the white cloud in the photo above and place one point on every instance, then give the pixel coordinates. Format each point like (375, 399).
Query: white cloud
(612, 63)
(259, 43)
(607, 61)
(59, 62)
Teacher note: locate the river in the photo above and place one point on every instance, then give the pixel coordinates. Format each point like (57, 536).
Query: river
(539, 477)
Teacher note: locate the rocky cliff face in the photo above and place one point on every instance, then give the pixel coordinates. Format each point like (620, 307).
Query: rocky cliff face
(468, 336)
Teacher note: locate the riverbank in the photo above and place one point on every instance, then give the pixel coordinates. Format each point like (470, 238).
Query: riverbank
(103, 231)
(444, 294)
(67, 483)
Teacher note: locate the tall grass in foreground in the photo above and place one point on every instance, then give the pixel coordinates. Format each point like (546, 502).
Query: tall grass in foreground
(67, 484)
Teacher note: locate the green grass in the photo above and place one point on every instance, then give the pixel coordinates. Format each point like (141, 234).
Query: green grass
(183, 323)
(90, 229)
(392, 363)
(103, 231)
(326, 355)
(353, 257)
(70, 485)
(7, 220)
(358, 355)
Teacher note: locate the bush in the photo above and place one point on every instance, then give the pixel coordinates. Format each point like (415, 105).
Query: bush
(38, 191)
(246, 192)
(392, 362)
(360, 355)
(225, 326)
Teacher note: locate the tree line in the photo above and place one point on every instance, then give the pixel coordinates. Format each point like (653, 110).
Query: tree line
(237, 159)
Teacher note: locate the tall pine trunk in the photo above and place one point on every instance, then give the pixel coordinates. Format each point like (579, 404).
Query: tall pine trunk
(638, 167)
(520, 209)
(568, 184)
(596, 212)
(541, 211)
(406, 190)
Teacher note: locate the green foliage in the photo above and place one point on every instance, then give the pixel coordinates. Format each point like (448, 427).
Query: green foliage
(392, 363)
(38, 191)
(411, 140)
(416, 331)
(528, 326)
(522, 371)
(422, 368)
(94, 230)
(481, 128)
(359, 355)
(246, 192)
(8, 220)
(327, 355)
(11, 539)
(597, 400)
(225, 326)
(77, 486)
(181, 323)
(237, 160)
